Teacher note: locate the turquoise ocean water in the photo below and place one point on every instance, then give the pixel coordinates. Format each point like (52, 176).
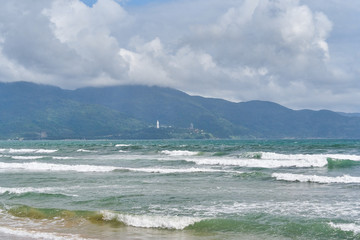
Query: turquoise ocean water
(190, 189)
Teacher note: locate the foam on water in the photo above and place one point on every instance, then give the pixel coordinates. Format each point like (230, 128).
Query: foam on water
(27, 157)
(86, 150)
(46, 150)
(23, 150)
(20, 232)
(273, 160)
(308, 157)
(38, 166)
(177, 170)
(299, 208)
(314, 178)
(179, 153)
(122, 145)
(260, 163)
(21, 190)
(347, 227)
(30, 150)
(146, 221)
(62, 158)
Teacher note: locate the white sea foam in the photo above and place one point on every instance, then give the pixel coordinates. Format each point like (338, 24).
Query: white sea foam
(274, 160)
(179, 153)
(176, 170)
(122, 151)
(146, 221)
(23, 150)
(314, 178)
(347, 227)
(30, 150)
(21, 190)
(308, 157)
(62, 158)
(85, 150)
(38, 166)
(301, 208)
(122, 145)
(27, 157)
(259, 163)
(30, 234)
(46, 150)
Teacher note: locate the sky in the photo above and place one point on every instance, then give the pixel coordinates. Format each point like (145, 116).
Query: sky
(303, 54)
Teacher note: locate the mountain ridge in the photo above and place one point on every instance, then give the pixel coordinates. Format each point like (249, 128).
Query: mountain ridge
(131, 111)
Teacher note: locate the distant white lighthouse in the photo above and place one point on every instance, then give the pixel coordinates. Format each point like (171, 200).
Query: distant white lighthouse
(157, 124)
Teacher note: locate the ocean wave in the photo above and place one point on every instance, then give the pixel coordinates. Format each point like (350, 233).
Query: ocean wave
(22, 190)
(176, 170)
(147, 221)
(179, 153)
(30, 150)
(46, 150)
(62, 158)
(342, 163)
(346, 227)
(86, 150)
(122, 145)
(25, 233)
(314, 178)
(27, 157)
(38, 166)
(259, 163)
(310, 157)
(276, 160)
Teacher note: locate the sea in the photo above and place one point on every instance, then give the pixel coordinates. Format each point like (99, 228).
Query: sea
(180, 189)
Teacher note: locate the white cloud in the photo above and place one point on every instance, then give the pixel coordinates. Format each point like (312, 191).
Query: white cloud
(278, 50)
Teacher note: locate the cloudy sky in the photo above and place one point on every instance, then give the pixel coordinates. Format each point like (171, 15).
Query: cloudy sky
(299, 53)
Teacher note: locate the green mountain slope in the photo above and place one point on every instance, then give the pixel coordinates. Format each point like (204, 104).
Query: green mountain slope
(149, 104)
(254, 119)
(30, 110)
(36, 111)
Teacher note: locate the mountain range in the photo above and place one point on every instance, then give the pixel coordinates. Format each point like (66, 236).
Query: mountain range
(33, 111)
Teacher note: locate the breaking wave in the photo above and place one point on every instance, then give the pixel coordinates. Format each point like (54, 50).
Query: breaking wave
(346, 227)
(38, 166)
(179, 153)
(29, 150)
(27, 157)
(342, 163)
(176, 170)
(276, 160)
(314, 178)
(122, 145)
(147, 221)
(86, 150)
(62, 158)
(22, 190)
(260, 163)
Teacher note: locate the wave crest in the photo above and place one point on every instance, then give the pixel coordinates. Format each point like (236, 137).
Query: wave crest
(314, 178)
(38, 166)
(147, 221)
(347, 227)
(179, 153)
